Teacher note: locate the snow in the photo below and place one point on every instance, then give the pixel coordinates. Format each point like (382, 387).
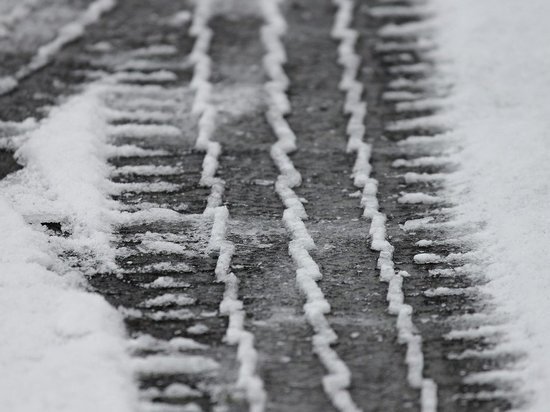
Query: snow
(57, 340)
(147, 170)
(495, 52)
(144, 131)
(168, 299)
(156, 50)
(165, 282)
(159, 76)
(162, 267)
(416, 198)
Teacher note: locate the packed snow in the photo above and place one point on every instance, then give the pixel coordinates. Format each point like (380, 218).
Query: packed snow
(496, 54)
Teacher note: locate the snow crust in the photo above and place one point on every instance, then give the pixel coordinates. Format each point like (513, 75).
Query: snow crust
(496, 54)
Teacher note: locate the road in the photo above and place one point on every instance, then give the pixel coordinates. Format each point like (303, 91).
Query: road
(227, 302)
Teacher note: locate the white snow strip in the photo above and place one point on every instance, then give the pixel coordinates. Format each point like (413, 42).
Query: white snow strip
(166, 282)
(137, 116)
(433, 122)
(174, 364)
(158, 316)
(145, 91)
(144, 131)
(129, 150)
(426, 161)
(433, 84)
(356, 108)
(147, 170)
(412, 177)
(248, 379)
(419, 198)
(143, 187)
(152, 344)
(500, 377)
(418, 45)
(496, 56)
(161, 267)
(67, 34)
(159, 76)
(338, 379)
(502, 350)
(485, 331)
(145, 104)
(385, 12)
(156, 50)
(168, 299)
(428, 104)
(402, 95)
(162, 247)
(415, 68)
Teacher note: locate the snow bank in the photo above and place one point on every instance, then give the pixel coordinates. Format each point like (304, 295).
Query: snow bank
(498, 58)
(61, 348)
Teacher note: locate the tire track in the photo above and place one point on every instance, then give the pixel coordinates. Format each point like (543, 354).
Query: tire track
(357, 109)
(291, 373)
(231, 306)
(338, 379)
(410, 163)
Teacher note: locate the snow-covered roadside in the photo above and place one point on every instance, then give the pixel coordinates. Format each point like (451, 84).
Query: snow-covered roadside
(61, 347)
(496, 54)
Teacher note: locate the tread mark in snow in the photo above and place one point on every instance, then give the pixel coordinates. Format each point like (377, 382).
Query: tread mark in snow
(337, 382)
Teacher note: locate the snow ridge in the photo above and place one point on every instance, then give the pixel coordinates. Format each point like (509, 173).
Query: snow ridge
(338, 380)
(231, 306)
(357, 109)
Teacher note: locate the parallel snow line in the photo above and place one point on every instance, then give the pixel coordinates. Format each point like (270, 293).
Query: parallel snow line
(248, 379)
(67, 34)
(357, 109)
(338, 380)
